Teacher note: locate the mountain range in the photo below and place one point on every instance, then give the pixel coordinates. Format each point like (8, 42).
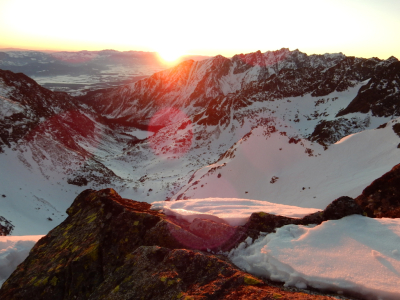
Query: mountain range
(82, 71)
(280, 126)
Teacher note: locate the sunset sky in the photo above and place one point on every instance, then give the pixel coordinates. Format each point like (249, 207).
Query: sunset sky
(363, 28)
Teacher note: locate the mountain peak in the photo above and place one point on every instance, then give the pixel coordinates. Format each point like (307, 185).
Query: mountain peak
(392, 59)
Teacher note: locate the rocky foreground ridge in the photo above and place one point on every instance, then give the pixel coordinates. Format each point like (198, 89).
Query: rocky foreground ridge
(115, 248)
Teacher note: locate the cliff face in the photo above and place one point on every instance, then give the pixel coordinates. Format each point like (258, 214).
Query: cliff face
(114, 248)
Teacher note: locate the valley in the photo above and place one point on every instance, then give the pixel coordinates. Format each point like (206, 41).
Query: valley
(214, 130)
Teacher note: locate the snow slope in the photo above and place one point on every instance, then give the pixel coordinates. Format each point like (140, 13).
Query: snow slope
(30, 200)
(267, 166)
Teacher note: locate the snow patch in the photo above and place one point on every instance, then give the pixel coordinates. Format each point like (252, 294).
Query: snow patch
(233, 211)
(356, 254)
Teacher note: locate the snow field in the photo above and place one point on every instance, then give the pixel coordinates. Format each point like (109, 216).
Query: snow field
(304, 179)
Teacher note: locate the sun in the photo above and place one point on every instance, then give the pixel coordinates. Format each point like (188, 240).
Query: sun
(170, 55)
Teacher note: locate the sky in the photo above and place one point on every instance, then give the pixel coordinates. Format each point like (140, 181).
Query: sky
(362, 28)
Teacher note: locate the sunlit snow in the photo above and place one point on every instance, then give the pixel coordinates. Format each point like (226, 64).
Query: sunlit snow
(233, 211)
(356, 254)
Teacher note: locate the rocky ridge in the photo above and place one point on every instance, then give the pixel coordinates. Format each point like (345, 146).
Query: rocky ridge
(50, 125)
(114, 248)
(247, 78)
(24, 104)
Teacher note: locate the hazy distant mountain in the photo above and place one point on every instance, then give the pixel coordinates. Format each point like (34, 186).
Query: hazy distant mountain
(77, 72)
(265, 126)
(21, 49)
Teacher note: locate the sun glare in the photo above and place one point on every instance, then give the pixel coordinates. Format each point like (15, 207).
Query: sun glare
(170, 55)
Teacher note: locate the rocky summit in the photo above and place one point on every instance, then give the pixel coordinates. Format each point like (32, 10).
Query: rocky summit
(115, 248)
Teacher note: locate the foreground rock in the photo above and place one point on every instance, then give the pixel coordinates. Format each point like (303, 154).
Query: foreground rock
(114, 248)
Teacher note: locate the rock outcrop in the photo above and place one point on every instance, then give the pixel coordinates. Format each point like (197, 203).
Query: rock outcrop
(381, 199)
(115, 248)
(381, 94)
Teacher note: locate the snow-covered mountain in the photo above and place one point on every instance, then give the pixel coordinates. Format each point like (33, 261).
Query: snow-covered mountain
(46, 143)
(266, 126)
(243, 79)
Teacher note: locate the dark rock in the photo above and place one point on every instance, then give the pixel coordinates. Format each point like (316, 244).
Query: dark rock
(341, 207)
(329, 132)
(93, 171)
(114, 248)
(265, 222)
(382, 126)
(78, 180)
(381, 199)
(5, 226)
(396, 128)
(380, 95)
(314, 218)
